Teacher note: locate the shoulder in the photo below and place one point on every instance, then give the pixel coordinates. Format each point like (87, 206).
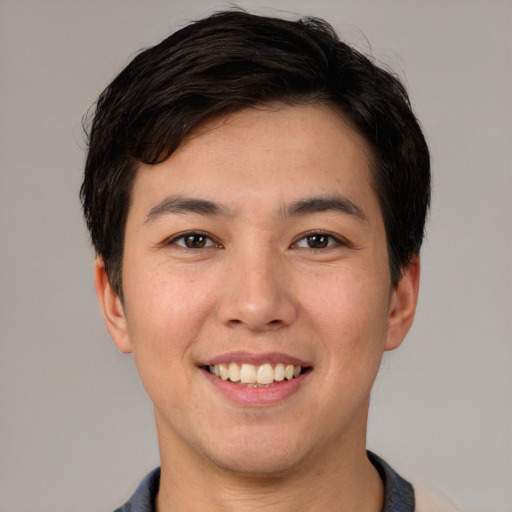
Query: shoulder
(143, 499)
(398, 492)
(429, 501)
(402, 496)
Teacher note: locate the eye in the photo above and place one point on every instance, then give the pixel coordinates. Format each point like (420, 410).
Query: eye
(317, 241)
(192, 240)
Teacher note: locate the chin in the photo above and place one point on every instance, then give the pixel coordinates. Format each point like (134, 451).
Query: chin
(256, 455)
(259, 465)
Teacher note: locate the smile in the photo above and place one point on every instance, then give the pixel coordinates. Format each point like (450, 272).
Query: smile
(255, 375)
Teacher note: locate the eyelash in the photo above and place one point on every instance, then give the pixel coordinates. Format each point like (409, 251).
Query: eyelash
(190, 234)
(332, 241)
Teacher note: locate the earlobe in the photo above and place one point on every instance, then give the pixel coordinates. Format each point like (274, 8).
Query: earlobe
(403, 305)
(112, 307)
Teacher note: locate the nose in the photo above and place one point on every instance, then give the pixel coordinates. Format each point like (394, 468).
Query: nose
(256, 294)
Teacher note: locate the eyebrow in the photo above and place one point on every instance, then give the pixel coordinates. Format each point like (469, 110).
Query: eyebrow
(180, 204)
(320, 204)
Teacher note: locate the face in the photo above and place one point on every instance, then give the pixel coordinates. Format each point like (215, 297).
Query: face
(257, 296)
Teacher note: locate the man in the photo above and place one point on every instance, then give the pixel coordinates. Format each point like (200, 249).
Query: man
(256, 192)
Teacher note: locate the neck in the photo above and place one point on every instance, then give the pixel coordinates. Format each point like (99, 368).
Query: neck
(345, 482)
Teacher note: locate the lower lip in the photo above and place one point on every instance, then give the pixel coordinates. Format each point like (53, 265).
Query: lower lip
(257, 396)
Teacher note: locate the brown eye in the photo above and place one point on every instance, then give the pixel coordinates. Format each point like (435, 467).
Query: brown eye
(317, 241)
(195, 241)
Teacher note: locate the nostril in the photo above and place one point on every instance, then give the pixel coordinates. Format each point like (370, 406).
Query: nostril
(270, 325)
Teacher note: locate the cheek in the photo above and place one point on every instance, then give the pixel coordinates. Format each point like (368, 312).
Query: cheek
(162, 297)
(162, 332)
(350, 299)
(351, 314)
(165, 314)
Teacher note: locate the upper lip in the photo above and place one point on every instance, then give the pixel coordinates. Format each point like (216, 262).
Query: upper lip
(254, 358)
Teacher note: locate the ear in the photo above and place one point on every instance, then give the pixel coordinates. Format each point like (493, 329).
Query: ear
(403, 305)
(112, 307)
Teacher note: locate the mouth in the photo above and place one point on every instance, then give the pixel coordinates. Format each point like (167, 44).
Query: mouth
(262, 375)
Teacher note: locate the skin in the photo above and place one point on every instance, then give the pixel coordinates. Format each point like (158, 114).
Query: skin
(258, 287)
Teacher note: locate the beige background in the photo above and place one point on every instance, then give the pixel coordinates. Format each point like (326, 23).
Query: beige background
(76, 430)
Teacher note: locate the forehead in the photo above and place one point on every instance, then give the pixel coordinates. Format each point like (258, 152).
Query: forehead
(264, 155)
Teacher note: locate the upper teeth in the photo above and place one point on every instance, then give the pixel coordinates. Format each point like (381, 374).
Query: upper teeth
(251, 374)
